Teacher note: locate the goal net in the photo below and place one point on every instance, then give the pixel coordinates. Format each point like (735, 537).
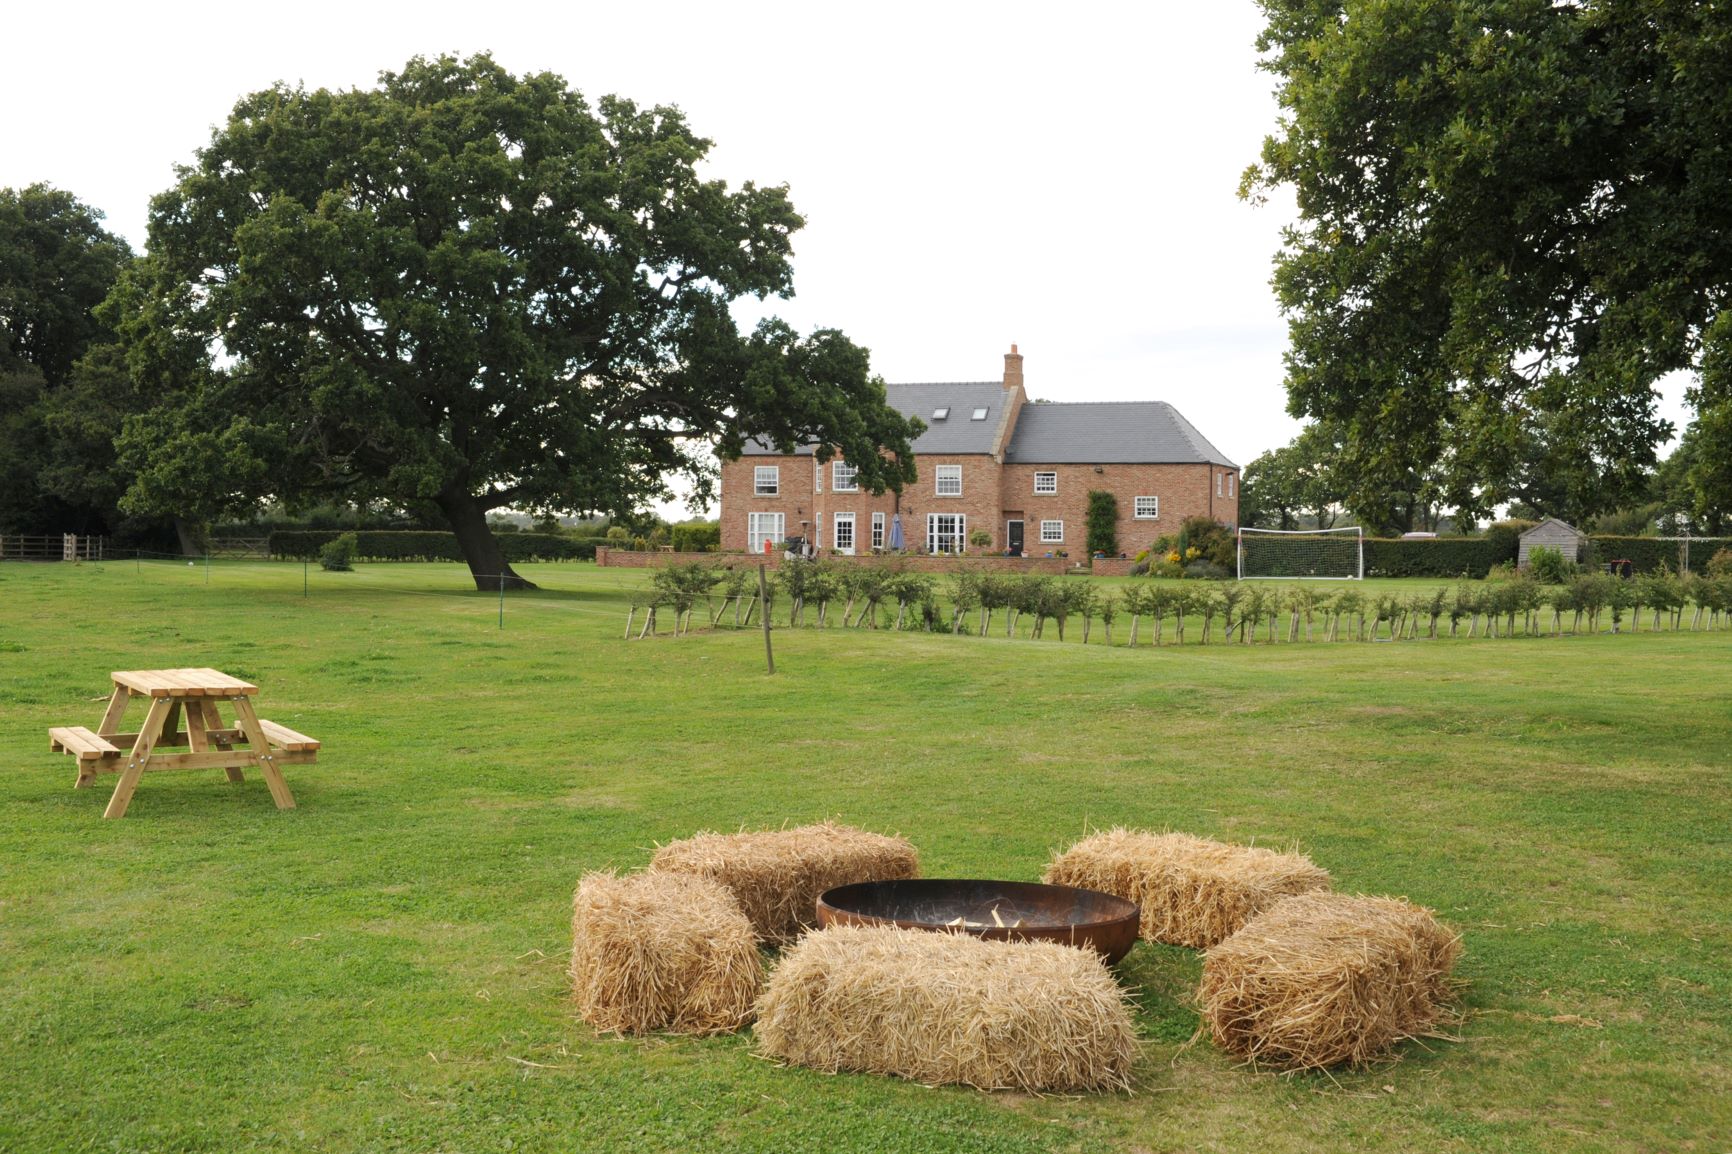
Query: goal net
(1302, 554)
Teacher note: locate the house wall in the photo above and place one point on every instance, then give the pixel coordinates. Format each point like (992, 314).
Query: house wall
(798, 502)
(607, 558)
(1184, 490)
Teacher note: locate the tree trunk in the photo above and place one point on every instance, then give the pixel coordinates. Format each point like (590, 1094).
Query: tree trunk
(480, 550)
(191, 537)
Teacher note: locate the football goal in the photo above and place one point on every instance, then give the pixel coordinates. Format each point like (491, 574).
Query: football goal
(1302, 554)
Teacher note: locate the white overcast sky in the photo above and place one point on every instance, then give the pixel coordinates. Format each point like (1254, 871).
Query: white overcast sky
(1060, 176)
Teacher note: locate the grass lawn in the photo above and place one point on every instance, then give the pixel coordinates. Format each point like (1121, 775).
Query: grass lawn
(382, 968)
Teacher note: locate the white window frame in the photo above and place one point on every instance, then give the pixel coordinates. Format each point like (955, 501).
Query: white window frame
(1232, 489)
(943, 473)
(958, 538)
(1051, 486)
(773, 473)
(817, 475)
(877, 530)
(853, 545)
(979, 413)
(755, 534)
(1137, 509)
(842, 477)
(1056, 528)
(1220, 479)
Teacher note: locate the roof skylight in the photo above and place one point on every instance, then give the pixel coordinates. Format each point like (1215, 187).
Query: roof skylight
(979, 414)
(941, 412)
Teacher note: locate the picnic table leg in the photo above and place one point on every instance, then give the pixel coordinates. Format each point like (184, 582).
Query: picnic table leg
(248, 721)
(136, 760)
(116, 708)
(202, 718)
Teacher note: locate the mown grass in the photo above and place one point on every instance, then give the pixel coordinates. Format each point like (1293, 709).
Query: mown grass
(381, 968)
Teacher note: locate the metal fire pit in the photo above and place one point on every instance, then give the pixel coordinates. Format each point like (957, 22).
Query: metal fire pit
(1002, 911)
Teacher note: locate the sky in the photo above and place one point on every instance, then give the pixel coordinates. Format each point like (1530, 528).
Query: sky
(1061, 177)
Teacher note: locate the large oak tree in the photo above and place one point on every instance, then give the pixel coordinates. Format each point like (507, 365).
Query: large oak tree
(1513, 222)
(472, 288)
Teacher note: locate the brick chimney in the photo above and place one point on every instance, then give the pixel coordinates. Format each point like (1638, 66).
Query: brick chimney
(1013, 369)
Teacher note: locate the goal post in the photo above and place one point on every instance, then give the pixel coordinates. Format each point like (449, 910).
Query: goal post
(1302, 554)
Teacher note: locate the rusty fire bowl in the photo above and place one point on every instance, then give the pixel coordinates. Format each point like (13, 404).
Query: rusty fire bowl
(1064, 914)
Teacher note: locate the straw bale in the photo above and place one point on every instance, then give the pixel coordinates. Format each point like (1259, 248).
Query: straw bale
(1193, 891)
(1324, 979)
(656, 951)
(941, 1008)
(777, 875)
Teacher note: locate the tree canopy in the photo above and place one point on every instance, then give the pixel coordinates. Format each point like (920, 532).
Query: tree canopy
(57, 264)
(472, 288)
(1513, 222)
(1295, 481)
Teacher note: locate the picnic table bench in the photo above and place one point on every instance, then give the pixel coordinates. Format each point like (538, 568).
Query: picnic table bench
(183, 715)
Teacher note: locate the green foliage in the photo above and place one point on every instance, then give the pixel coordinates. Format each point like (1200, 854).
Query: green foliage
(1720, 565)
(338, 554)
(57, 265)
(1282, 485)
(1499, 249)
(1103, 523)
(979, 538)
(705, 537)
(1649, 554)
(1504, 537)
(1548, 566)
(502, 297)
(1209, 539)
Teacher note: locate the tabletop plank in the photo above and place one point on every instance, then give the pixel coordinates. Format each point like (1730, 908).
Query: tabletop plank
(182, 683)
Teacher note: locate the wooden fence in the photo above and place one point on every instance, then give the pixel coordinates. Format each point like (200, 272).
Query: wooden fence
(55, 547)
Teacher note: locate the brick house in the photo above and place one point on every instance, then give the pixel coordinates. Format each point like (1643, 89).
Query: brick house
(989, 460)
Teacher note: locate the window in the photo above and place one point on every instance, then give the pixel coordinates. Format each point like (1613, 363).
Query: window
(761, 527)
(979, 414)
(766, 480)
(1218, 477)
(1052, 532)
(1046, 482)
(1146, 508)
(817, 475)
(1230, 486)
(946, 532)
(843, 540)
(942, 412)
(842, 477)
(949, 480)
(877, 530)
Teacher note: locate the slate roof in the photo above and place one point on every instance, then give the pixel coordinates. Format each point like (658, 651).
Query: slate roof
(1109, 433)
(957, 433)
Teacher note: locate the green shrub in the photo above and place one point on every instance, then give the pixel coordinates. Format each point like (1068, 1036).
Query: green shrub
(338, 555)
(1547, 565)
(1504, 538)
(1103, 523)
(1720, 565)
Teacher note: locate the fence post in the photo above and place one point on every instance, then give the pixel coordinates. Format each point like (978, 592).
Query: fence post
(764, 618)
(502, 601)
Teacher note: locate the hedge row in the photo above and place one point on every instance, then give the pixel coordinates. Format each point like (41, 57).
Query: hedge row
(1435, 556)
(1648, 554)
(428, 545)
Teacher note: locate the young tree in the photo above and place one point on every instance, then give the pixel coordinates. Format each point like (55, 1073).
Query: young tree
(1512, 223)
(474, 288)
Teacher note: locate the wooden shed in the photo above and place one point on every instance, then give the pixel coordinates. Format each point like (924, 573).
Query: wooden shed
(1551, 534)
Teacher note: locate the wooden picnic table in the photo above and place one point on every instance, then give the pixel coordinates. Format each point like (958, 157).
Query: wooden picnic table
(183, 714)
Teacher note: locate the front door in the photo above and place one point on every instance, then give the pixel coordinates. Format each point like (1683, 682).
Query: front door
(844, 536)
(1013, 538)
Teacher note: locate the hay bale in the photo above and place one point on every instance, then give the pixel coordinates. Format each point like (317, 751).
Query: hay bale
(776, 875)
(938, 1008)
(1324, 979)
(656, 951)
(1193, 891)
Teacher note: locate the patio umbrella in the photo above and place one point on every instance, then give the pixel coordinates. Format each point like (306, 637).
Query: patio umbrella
(896, 531)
